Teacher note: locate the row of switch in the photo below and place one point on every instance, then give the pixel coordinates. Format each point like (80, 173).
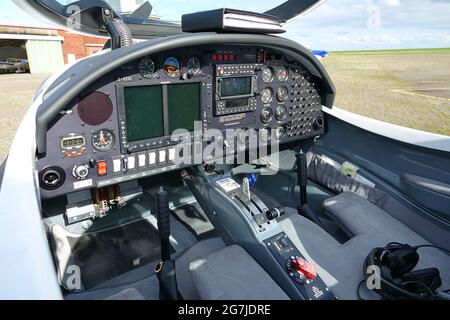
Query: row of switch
(143, 160)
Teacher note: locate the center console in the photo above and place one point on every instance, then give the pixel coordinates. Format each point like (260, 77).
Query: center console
(245, 218)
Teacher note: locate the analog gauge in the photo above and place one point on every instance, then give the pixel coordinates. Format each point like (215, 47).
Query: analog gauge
(280, 132)
(282, 94)
(267, 74)
(146, 67)
(266, 115)
(267, 95)
(194, 66)
(281, 113)
(264, 135)
(172, 67)
(103, 140)
(282, 74)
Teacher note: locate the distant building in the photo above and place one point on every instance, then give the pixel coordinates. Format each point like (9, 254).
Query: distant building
(46, 49)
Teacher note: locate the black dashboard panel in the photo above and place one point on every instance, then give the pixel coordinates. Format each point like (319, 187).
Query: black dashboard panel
(120, 127)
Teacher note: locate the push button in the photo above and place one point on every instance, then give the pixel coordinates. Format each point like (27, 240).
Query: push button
(172, 153)
(131, 163)
(142, 160)
(162, 156)
(117, 165)
(152, 158)
(102, 168)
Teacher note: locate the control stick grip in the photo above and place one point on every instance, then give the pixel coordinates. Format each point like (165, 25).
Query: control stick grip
(163, 212)
(302, 169)
(302, 176)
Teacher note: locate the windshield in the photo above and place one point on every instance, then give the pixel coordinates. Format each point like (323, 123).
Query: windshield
(173, 10)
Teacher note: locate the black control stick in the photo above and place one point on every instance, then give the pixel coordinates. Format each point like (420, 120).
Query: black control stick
(302, 176)
(302, 181)
(165, 270)
(163, 212)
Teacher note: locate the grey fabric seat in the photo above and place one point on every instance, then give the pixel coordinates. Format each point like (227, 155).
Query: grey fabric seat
(372, 227)
(232, 274)
(127, 294)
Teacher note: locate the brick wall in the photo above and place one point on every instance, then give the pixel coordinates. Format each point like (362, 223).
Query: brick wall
(79, 46)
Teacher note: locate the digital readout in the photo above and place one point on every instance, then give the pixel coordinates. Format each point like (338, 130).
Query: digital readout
(73, 142)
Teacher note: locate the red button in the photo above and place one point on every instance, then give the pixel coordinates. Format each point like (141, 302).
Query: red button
(214, 57)
(102, 168)
(309, 269)
(225, 57)
(219, 57)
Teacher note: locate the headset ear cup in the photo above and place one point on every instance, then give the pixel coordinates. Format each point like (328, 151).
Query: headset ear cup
(403, 261)
(417, 281)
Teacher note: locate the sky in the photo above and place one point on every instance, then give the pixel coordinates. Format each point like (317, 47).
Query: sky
(334, 25)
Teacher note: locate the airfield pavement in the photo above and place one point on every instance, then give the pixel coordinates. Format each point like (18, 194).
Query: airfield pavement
(408, 87)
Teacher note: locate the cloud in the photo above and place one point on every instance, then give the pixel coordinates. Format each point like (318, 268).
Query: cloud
(392, 3)
(343, 24)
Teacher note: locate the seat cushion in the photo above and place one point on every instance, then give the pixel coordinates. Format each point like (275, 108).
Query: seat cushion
(232, 274)
(198, 251)
(373, 227)
(127, 294)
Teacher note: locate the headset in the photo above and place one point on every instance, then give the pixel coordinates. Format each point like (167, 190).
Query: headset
(396, 262)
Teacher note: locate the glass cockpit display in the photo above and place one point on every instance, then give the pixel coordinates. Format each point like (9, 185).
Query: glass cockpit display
(184, 106)
(144, 112)
(156, 111)
(235, 87)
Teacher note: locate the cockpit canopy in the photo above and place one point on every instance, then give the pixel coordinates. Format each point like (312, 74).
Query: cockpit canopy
(144, 20)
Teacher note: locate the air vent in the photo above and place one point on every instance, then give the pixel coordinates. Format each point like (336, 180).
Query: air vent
(51, 178)
(318, 123)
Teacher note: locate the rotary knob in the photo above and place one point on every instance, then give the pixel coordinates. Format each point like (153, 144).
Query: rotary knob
(301, 270)
(81, 171)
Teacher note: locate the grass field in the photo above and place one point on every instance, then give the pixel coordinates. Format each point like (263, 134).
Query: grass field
(406, 87)
(399, 51)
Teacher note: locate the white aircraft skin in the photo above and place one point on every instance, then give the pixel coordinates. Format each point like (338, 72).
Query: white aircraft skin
(27, 270)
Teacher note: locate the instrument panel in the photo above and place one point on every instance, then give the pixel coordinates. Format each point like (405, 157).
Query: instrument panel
(140, 119)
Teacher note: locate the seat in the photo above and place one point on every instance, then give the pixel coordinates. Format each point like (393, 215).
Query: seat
(340, 265)
(372, 227)
(127, 294)
(232, 274)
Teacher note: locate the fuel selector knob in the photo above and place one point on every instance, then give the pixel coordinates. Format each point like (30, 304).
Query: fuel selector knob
(301, 270)
(80, 171)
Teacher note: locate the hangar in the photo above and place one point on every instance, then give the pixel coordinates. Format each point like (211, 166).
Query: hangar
(42, 50)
